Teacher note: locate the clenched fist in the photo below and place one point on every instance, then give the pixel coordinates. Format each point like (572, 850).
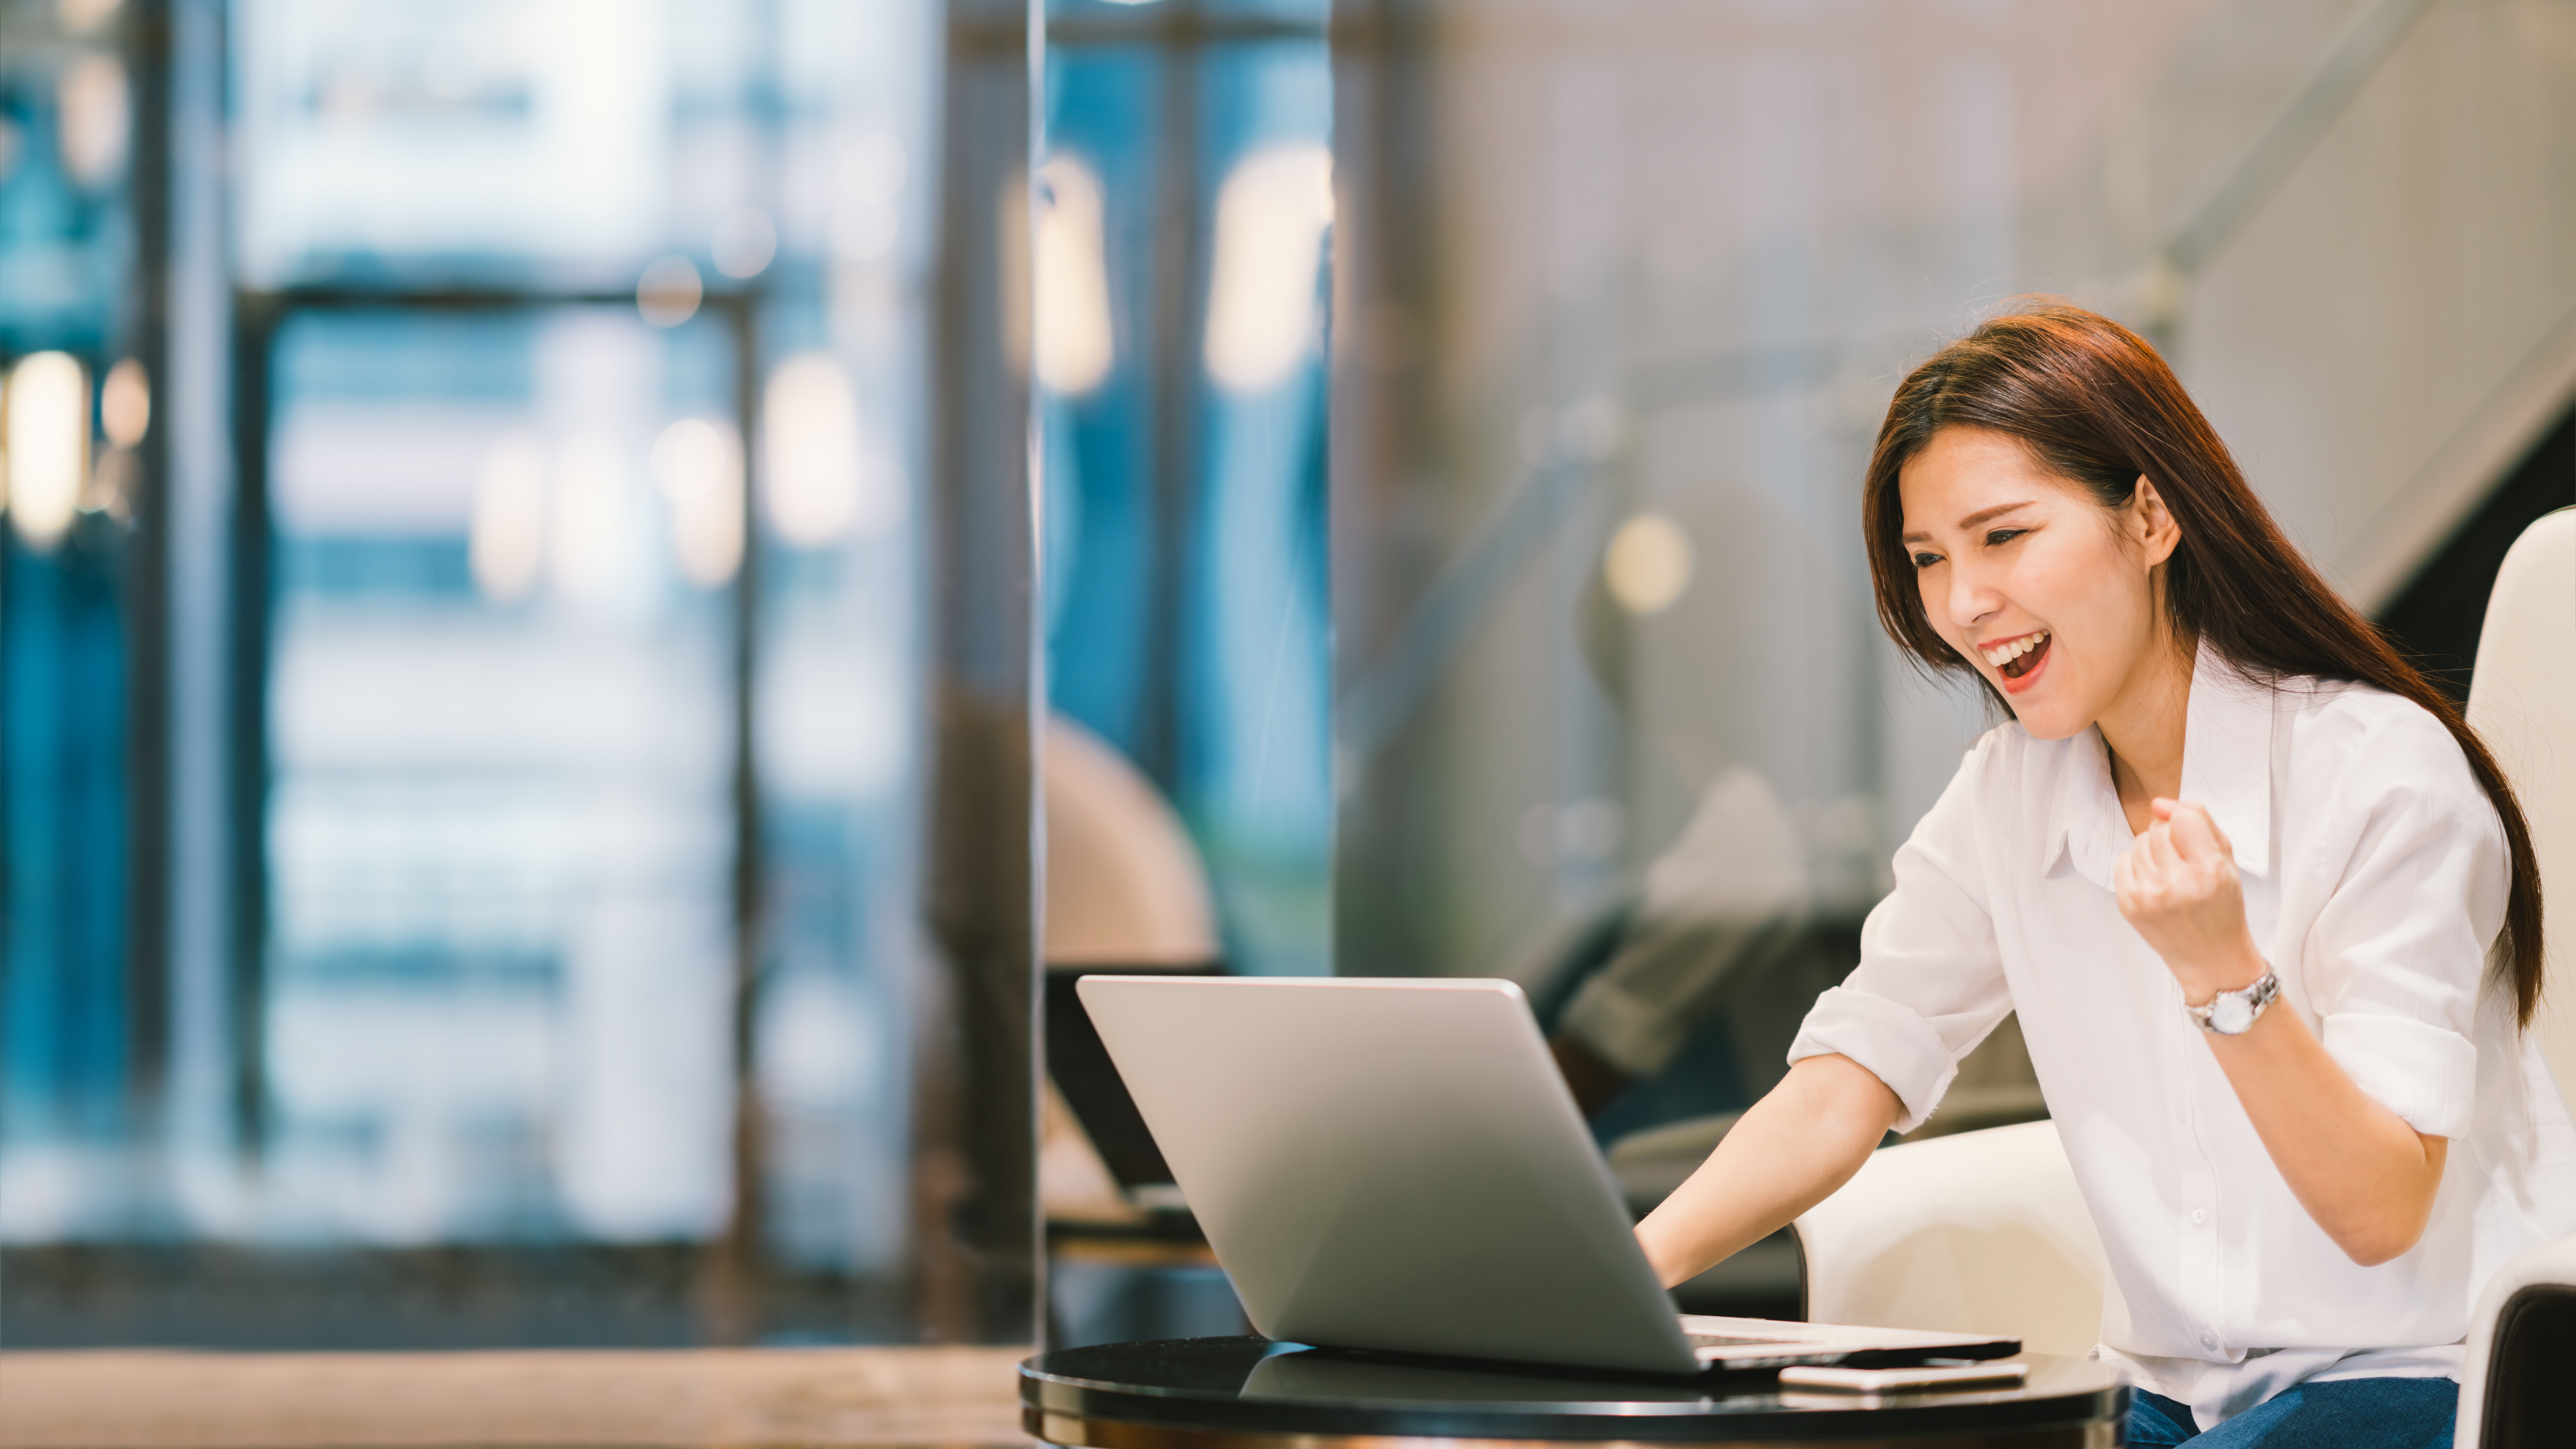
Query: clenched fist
(2177, 886)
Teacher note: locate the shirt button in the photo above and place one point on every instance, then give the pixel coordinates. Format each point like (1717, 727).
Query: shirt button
(2209, 1340)
(2198, 1217)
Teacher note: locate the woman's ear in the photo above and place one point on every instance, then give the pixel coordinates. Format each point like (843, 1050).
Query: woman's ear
(2151, 524)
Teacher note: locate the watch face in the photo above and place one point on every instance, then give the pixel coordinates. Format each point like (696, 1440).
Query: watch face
(2230, 1014)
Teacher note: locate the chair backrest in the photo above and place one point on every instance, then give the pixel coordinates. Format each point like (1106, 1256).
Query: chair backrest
(2514, 1388)
(2522, 702)
(1124, 885)
(1983, 1232)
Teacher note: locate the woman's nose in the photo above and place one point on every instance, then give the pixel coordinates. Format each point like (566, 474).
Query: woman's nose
(1972, 597)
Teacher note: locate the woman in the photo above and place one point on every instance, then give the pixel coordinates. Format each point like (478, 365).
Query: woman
(2266, 907)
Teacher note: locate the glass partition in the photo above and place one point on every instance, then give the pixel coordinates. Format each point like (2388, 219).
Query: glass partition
(1181, 222)
(1185, 206)
(1623, 295)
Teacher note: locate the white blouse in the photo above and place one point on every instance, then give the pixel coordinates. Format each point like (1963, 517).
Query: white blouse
(2374, 875)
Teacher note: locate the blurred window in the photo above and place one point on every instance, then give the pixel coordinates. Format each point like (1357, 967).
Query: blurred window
(499, 820)
(556, 627)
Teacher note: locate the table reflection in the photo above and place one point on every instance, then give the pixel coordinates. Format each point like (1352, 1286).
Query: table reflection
(1318, 1374)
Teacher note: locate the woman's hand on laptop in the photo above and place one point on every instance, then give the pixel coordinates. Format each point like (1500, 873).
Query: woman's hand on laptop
(1788, 1152)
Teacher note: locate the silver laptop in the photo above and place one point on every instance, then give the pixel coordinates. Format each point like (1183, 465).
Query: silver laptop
(1396, 1165)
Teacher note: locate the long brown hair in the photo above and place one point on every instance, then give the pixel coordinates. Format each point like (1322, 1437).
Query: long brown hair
(2095, 404)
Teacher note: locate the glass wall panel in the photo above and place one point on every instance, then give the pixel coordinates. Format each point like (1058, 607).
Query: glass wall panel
(1183, 215)
(1624, 293)
(1186, 210)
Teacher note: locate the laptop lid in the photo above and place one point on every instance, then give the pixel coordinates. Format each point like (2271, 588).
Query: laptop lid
(1390, 1165)
(1081, 1070)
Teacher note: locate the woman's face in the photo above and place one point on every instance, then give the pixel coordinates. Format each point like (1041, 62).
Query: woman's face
(2049, 596)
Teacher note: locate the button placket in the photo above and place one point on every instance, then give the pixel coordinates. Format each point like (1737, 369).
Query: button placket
(2200, 1279)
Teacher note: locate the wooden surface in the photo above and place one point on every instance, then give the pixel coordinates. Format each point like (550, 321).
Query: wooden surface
(733, 1398)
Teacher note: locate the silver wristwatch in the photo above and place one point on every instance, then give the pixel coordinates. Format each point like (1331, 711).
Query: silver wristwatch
(2232, 1013)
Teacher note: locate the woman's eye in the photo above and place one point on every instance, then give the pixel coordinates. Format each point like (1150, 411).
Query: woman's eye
(2004, 535)
(1926, 560)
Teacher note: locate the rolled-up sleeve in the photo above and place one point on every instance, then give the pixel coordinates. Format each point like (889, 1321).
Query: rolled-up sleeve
(1930, 983)
(2400, 950)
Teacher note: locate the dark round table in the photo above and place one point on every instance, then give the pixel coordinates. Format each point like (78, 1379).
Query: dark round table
(1251, 1393)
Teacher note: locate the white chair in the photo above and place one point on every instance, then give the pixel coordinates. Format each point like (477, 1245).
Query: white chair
(1982, 1231)
(1124, 885)
(2522, 701)
(2516, 1388)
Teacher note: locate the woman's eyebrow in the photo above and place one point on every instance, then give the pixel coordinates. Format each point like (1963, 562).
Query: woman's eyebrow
(1924, 535)
(1982, 514)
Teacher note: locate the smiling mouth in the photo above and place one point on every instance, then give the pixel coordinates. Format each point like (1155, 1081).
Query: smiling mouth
(2018, 657)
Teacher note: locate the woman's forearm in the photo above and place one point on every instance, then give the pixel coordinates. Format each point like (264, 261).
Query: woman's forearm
(1805, 1138)
(2366, 1177)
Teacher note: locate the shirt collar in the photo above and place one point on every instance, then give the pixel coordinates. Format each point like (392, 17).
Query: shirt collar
(2227, 756)
(2226, 766)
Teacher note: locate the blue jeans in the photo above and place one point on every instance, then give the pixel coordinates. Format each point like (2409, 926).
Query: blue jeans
(2346, 1413)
